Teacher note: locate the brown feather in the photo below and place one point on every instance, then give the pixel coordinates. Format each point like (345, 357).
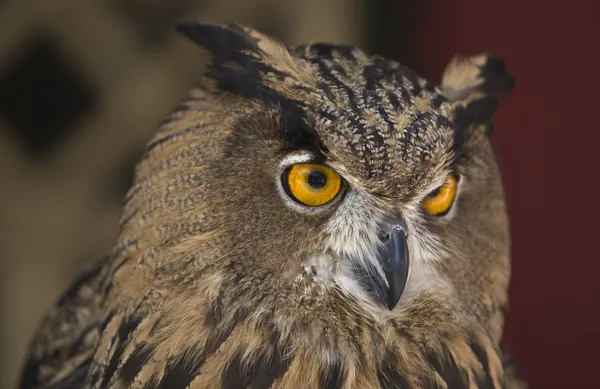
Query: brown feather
(213, 281)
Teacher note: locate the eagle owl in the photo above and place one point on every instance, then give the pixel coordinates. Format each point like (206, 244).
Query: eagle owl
(306, 218)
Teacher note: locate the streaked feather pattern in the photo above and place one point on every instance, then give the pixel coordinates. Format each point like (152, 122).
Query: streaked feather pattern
(191, 299)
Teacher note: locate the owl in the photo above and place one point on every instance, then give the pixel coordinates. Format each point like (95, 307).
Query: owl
(306, 218)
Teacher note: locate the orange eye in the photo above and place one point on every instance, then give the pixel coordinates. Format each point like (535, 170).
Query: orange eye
(311, 184)
(439, 201)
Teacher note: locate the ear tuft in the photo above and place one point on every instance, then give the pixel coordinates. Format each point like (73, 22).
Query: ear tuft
(484, 73)
(497, 80)
(474, 86)
(244, 61)
(226, 42)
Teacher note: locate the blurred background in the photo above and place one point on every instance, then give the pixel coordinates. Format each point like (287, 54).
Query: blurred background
(83, 84)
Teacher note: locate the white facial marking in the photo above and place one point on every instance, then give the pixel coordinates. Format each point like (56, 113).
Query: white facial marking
(352, 235)
(297, 157)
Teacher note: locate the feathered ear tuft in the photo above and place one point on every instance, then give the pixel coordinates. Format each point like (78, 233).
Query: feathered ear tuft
(474, 86)
(244, 60)
(226, 42)
(485, 74)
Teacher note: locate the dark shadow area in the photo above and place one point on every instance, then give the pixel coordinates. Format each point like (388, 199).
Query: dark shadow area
(42, 95)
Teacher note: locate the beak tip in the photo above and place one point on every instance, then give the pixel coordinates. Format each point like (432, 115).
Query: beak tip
(396, 264)
(393, 298)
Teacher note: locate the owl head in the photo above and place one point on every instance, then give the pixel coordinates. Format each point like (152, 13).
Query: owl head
(324, 194)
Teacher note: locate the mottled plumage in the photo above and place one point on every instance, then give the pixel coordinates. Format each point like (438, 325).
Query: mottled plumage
(219, 281)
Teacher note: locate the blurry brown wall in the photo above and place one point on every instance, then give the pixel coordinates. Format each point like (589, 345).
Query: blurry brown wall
(60, 204)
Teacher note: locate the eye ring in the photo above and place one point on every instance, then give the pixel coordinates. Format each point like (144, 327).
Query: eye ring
(439, 201)
(311, 184)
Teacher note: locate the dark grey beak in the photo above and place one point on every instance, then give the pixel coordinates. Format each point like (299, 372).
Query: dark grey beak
(393, 257)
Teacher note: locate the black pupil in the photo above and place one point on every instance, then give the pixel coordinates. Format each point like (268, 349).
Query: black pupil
(317, 179)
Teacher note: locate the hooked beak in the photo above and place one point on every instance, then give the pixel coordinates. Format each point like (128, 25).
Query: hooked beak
(393, 258)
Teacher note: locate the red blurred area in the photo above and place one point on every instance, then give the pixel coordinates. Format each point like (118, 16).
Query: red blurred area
(546, 138)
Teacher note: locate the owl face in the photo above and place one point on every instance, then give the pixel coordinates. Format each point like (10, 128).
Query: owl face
(358, 174)
(342, 175)
(382, 241)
